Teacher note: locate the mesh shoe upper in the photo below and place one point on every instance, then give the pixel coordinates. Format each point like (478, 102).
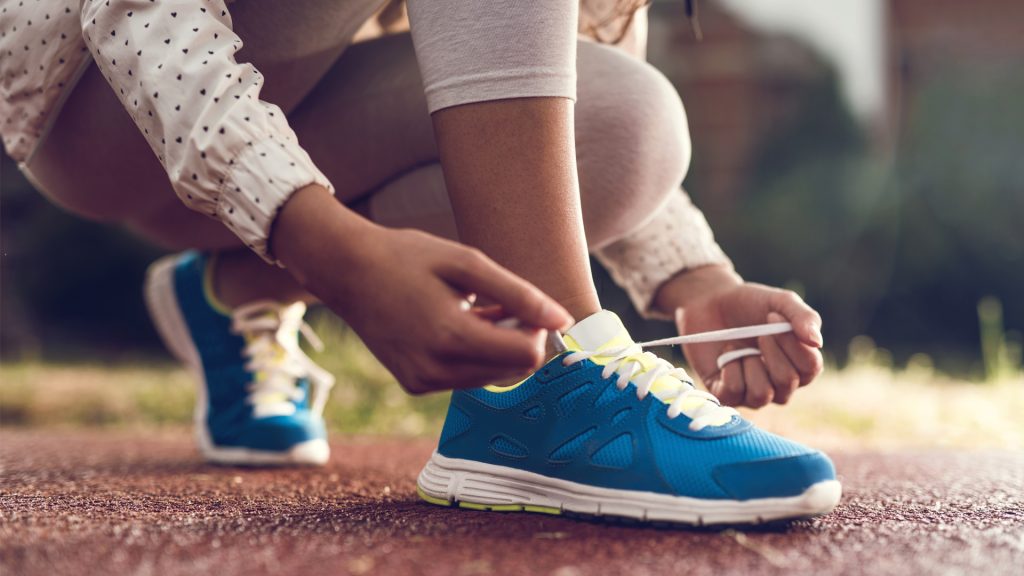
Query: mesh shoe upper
(572, 423)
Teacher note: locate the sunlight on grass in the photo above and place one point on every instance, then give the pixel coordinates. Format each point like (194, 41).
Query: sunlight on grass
(875, 407)
(864, 405)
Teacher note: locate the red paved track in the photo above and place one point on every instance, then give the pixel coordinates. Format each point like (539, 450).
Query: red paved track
(77, 502)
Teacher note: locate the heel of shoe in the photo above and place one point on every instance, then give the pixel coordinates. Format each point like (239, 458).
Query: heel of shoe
(164, 311)
(162, 303)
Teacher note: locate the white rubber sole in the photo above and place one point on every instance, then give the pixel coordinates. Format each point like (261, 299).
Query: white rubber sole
(170, 324)
(476, 485)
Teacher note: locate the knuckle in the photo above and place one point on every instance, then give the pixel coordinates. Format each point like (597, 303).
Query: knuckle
(786, 380)
(759, 397)
(730, 395)
(412, 381)
(430, 379)
(416, 388)
(472, 258)
(782, 397)
(817, 366)
(791, 297)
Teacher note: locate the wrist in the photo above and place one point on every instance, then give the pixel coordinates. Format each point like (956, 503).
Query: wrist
(692, 285)
(313, 229)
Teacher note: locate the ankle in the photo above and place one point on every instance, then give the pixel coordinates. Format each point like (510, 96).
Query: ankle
(239, 277)
(581, 305)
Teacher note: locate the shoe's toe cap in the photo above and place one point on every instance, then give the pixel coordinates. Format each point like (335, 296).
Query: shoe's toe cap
(281, 433)
(775, 477)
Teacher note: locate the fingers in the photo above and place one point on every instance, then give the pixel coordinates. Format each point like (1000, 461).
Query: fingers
(730, 387)
(482, 341)
(806, 322)
(471, 271)
(759, 391)
(783, 375)
(805, 359)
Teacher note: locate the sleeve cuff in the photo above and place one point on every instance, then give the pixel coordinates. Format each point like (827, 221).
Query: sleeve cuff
(261, 179)
(526, 83)
(676, 239)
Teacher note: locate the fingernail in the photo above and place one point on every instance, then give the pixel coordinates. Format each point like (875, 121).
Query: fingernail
(816, 335)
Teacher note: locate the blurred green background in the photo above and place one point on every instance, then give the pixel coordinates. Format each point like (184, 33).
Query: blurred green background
(866, 153)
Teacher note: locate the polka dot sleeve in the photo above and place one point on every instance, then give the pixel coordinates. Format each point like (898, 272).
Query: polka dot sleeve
(228, 154)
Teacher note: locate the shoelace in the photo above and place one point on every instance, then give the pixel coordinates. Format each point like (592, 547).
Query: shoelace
(275, 358)
(626, 362)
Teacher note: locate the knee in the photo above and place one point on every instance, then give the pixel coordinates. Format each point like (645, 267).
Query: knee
(632, 138)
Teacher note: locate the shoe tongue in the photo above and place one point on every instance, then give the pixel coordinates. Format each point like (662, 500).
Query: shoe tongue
(603, 330)
(599, 330)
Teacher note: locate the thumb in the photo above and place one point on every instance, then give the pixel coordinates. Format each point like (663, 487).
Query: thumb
(786, 306)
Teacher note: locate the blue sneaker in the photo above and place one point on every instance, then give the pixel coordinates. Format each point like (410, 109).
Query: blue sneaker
(606, 429)
(260, 399)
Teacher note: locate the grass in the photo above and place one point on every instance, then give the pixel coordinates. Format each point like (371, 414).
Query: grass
(865, 405)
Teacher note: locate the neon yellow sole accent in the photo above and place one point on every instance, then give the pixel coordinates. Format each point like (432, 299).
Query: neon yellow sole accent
(543, 510)
(507, 508)
(489, 507)
(428, 498)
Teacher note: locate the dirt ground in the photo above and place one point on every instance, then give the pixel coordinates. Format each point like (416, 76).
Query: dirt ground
(117, 502)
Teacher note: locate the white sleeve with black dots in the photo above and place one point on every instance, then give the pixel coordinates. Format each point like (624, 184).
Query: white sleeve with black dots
(228, 154)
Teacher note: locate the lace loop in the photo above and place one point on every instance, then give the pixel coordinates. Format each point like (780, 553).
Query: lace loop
(276, 360)
(633, 364)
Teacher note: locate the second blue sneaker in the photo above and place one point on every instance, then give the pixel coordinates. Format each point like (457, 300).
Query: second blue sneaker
(260, 398)
(606, 429)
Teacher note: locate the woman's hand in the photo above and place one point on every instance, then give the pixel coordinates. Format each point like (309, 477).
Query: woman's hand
(714, 297)
(405, 293)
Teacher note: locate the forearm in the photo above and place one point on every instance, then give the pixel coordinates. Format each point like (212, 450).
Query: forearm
(510, 170)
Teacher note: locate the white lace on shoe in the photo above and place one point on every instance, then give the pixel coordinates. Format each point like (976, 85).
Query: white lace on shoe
(679, 391)
(277, 361)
